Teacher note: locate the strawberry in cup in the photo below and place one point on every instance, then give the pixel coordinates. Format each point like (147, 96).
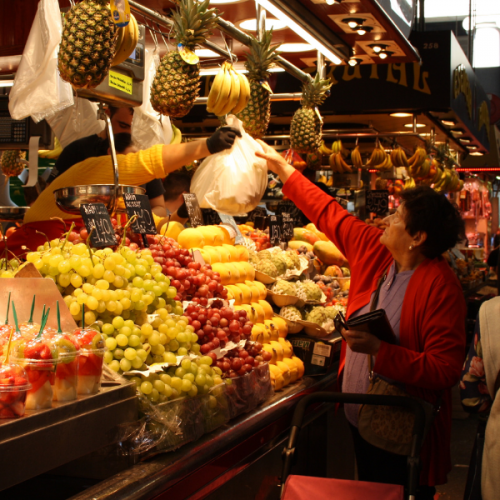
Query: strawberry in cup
(90, 361)
(13, 387)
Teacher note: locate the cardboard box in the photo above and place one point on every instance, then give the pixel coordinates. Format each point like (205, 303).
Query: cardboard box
(317, 354)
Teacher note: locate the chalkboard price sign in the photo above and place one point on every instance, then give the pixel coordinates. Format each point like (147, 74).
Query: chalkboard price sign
(377, 201)
(98, 224)
(194, 210)
(287, 233)
(275, 230)
(138, 205)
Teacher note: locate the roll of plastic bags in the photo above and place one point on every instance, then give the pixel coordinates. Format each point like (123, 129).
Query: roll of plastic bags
(38, 90)
(146, 127)
(233, 181)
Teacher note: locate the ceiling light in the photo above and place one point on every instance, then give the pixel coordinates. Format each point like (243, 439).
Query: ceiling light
(456, 132)
(384, 54)
(476, 153)
(425, 134)
(224, 1)
(251, 24)
(401, 115)
(471, 147)
(206, 53)
(448, 122)
(305, 35)
(464, 141)
(354, 62)
(377, 47)
(6, 83)
(362, 30)
(296, 47)
(353, 22)
(332, 2)
(418, 125)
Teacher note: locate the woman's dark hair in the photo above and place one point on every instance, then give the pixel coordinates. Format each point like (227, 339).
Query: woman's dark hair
(122, 141)
(432, 213)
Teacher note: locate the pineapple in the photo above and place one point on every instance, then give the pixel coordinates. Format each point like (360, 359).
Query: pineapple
(88, 44)
(11, 162)
(306, 126)
(176, 84)
(257, 113)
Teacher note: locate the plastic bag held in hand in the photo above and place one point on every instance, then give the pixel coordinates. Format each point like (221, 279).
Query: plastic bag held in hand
(38, 90)
(232, 181)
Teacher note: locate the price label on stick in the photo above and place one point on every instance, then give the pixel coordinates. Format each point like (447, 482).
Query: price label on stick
(275, 230)
(377, 201)
(138, 205)
(229, 220)
(287, 233)
(194, 210)
(98, 224)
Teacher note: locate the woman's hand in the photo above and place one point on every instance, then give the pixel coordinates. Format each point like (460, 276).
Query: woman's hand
(275, 162)
(363, 342)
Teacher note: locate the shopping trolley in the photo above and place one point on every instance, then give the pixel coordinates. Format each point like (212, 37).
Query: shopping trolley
(305, 488)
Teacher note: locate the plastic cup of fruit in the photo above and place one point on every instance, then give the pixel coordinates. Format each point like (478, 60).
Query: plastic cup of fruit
(5, 331)
(39, 358)
(66, 379)
(14, 386)
(29, 331)
(90, 360)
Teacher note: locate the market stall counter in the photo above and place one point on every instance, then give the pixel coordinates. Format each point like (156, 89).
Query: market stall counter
(203, 468)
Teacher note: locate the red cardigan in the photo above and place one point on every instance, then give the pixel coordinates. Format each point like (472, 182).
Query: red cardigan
(432, 329)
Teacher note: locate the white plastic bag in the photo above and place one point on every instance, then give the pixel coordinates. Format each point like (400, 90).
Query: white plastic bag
(146, 127)
(38, 90)
(75, 122)
(232, 181)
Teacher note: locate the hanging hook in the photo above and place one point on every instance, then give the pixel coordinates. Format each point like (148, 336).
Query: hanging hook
(232, 56)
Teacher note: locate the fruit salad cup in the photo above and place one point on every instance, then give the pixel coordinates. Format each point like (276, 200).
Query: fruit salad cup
(65, 385)
(39, 358)
(90, 361)
(13, 388)
(5, 331)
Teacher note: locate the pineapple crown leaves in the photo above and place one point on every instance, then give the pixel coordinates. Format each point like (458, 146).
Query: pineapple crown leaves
(194, 22)
(262, 54)
(314, 92)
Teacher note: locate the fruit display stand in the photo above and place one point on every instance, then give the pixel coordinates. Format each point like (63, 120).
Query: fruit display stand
(222, 462)
(68, 430)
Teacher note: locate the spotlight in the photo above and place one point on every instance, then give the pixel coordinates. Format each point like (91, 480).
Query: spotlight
(449, 122)
(377, 47)
(384, 54)
(332, 2)
(353, 22)
(464, 141)
(476, 153)
(354, 62)
(362, 30)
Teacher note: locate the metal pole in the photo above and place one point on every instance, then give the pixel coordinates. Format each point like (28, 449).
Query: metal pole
(421, 19)
(261, 21)
(414, 123)
(294, 96)
(101, 114)
(320, 65)
(469, 38)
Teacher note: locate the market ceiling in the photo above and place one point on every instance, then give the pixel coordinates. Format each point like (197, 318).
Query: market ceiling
(374, 27)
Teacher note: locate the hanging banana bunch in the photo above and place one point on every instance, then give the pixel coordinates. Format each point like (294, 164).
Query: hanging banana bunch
(416, 162)
(230, 92)
(379, 159)
(398, 158)
(356, 158)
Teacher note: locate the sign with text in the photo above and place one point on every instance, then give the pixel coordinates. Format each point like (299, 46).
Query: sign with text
(377, 201)
(98, 224)
(138, 205)
(229, 220)
(287, 232)
(194, 210)
(121, 82)
(275, 230)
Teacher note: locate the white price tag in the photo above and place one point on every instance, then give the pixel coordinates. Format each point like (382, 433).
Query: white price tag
(318, 360)
(322, 350)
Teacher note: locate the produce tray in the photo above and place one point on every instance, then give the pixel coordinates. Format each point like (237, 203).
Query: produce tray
(45, 439)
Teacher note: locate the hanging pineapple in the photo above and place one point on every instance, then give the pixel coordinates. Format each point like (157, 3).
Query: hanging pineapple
(176, 84)
(307, 124)
(12, 164)
(87, 45)
(256, 115)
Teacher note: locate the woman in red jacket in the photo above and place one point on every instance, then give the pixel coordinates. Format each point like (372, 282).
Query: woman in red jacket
(424, 303)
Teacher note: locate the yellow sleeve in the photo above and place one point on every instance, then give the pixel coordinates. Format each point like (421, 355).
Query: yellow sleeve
(134, 169)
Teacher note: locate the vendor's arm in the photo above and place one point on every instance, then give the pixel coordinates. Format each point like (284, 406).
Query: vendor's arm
(158, 206)
(355, 239)
(442, 334)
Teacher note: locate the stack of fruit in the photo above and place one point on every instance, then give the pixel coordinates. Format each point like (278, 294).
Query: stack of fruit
(258, 237)
(276, 262)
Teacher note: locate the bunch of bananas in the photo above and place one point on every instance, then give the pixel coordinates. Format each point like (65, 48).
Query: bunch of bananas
(398, 158)
(338, 164)
(324, 149)
(176, 135)
(51, 154)
(324, 180)
(419, 165)
(356, 158)
(230, 92)
(449, 182)
(379, 160)
(126, 41)
(337, 147)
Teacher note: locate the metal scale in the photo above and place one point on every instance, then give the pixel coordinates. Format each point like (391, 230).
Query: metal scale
(132, 70)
